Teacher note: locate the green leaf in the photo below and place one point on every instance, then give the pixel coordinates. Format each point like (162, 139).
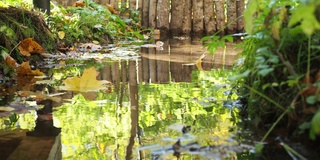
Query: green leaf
(311, 99)
(265, 72)
(228, 38)
(248, 15)
(315, 123)
(258, 147)
(240, 76)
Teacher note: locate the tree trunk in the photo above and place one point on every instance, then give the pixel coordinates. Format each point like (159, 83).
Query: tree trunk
(209, 17)
(240, 10)
(152, 13)
(197, 21)
(176, 20)
(232, 16)
(145, 14)
(220, 16)
(187, 21)
(163, 10)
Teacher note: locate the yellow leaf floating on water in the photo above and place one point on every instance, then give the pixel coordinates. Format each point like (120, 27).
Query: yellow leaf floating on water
(86, 83)
(6, 109)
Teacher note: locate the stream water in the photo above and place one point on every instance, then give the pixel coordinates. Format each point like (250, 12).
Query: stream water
(160, 105)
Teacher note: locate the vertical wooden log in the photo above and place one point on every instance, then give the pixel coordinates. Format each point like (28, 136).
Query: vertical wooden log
(240, 10)
(145, 14)
(221, 24)
(163, 11)
(152, 13)
(176, 21)
(187, 15)
(133, 4)
(209, 17)
(232, 16)
(197, 19)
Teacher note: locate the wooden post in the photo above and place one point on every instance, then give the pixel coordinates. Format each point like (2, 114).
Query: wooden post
(209, 17)
(197, 19)
(240, 10)
(132, 4)
(145, 14)
(152, 13)
(177, 15)
(163, 10)
(221, 24)
(232, 16)
(187, 15)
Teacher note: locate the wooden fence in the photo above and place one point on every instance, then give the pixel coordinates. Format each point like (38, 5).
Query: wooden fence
(184, 17)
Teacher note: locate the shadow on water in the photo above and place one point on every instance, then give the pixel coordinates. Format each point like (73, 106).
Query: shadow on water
(160, 106)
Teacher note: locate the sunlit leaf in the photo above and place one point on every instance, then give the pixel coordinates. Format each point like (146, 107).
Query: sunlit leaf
(275, 30)
(28, 46)
(61, 34)
(87, 82)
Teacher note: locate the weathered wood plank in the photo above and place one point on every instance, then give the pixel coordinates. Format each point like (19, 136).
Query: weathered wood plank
(176, 20)
(240, 10)
(197, 19)
(221, 24)
(145, 14)
(152, 13)
(209, 17)
(232, 16)
(163, 11)
(187, 15)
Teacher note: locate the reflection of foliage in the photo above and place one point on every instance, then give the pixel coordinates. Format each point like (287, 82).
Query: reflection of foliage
(199, 104)
(23, 121)
(87, 128)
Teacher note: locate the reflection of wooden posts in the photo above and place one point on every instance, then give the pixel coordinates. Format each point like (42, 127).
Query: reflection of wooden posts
(134, 108)
(176, 18)
(115, 75)
(197, 18)
(220, 16)
(152, 67)
(163, 11)
(105, 73)
(145, 66)
(163, 66)
(231, 16)
(209, 17)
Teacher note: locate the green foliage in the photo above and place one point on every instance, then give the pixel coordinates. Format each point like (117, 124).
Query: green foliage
(278, 54)
(92, 23)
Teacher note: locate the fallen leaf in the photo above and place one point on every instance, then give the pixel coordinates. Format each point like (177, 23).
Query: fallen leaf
(61, 34)
(199, 62)
(11, 62)
(309, 91)
(28, 46)
(111, 9)
(25, 69)
(86, 83)
(79, 4)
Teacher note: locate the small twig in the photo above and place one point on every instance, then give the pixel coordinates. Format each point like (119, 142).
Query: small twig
(14, 48)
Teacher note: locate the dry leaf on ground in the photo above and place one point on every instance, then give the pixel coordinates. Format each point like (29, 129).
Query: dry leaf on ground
(28, 46)
(87, 82)
(25, 69)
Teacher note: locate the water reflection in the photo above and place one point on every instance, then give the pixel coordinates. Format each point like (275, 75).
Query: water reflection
(149, 96)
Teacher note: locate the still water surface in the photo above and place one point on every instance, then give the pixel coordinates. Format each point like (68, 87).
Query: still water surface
(161, 105)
